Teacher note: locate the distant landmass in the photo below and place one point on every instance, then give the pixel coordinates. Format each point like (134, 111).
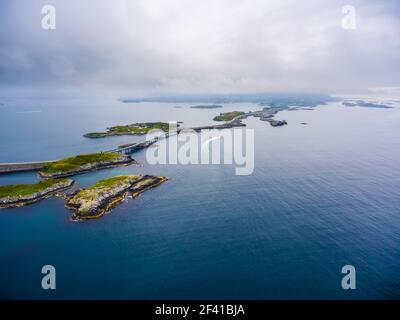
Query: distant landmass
(365, 104)
(207, 106)
(272, 100)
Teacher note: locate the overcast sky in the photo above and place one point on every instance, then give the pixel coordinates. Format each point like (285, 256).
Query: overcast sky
(148, 47)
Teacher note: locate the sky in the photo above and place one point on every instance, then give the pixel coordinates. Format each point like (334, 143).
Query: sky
(155, 47)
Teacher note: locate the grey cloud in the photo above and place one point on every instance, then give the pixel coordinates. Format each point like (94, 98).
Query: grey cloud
(184, 46)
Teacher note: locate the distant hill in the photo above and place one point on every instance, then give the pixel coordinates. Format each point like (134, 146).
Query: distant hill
(273, 99)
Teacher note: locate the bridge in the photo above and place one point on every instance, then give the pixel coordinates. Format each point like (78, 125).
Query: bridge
(22, 166)
(35, 166)
(133, 147)
(125, 149)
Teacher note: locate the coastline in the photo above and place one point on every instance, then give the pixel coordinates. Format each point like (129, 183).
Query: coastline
(97, 200)
(19, 201)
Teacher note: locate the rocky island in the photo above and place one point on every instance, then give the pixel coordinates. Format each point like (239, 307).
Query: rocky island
(228, 116)
(84, 163)
(277, 123)
(234, 118)
(95, 201)
(23, 194)
(130, 129)
(268, 114)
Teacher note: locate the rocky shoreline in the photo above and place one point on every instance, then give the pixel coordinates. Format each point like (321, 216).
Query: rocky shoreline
(230, 124)
(268, 114)
(22, 200)
(94, 202)
(147, 182)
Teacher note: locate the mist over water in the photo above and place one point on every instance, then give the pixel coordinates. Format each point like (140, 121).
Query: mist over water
(322, 195)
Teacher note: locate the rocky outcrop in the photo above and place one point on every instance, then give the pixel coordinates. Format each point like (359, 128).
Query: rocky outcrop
(146, 183)
(277, 123)
(94, 202)
(22, 200)
(268, 114)
(227, 125)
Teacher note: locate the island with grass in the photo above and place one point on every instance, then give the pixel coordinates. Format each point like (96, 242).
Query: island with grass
(268, 113)
(95, 201)
(129, 129)
(228, 116)
(19, 195)
(84, 163)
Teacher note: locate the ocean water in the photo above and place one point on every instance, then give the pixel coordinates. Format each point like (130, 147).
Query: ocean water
(322, 195)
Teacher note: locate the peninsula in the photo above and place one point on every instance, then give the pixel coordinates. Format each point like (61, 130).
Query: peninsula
(234, 118)
(98, 199)
(228, 116)
(23, 194)
(84, 163)
(268, 114)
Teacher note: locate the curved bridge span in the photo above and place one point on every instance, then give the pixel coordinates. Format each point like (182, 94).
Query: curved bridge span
(126, 149)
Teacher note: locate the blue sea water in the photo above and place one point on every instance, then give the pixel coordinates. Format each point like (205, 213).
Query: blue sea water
(322, 195)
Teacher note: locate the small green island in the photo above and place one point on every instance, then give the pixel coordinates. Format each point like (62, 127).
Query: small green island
(98, 199)
(84, 163)
(228, 116)
(23, 194)
(129, 129)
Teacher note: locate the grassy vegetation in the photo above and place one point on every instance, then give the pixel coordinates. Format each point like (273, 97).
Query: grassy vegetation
(76, 162)
(28, 189)
(130, 129)
(228, 116)
(111, 182)
(87, 197)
